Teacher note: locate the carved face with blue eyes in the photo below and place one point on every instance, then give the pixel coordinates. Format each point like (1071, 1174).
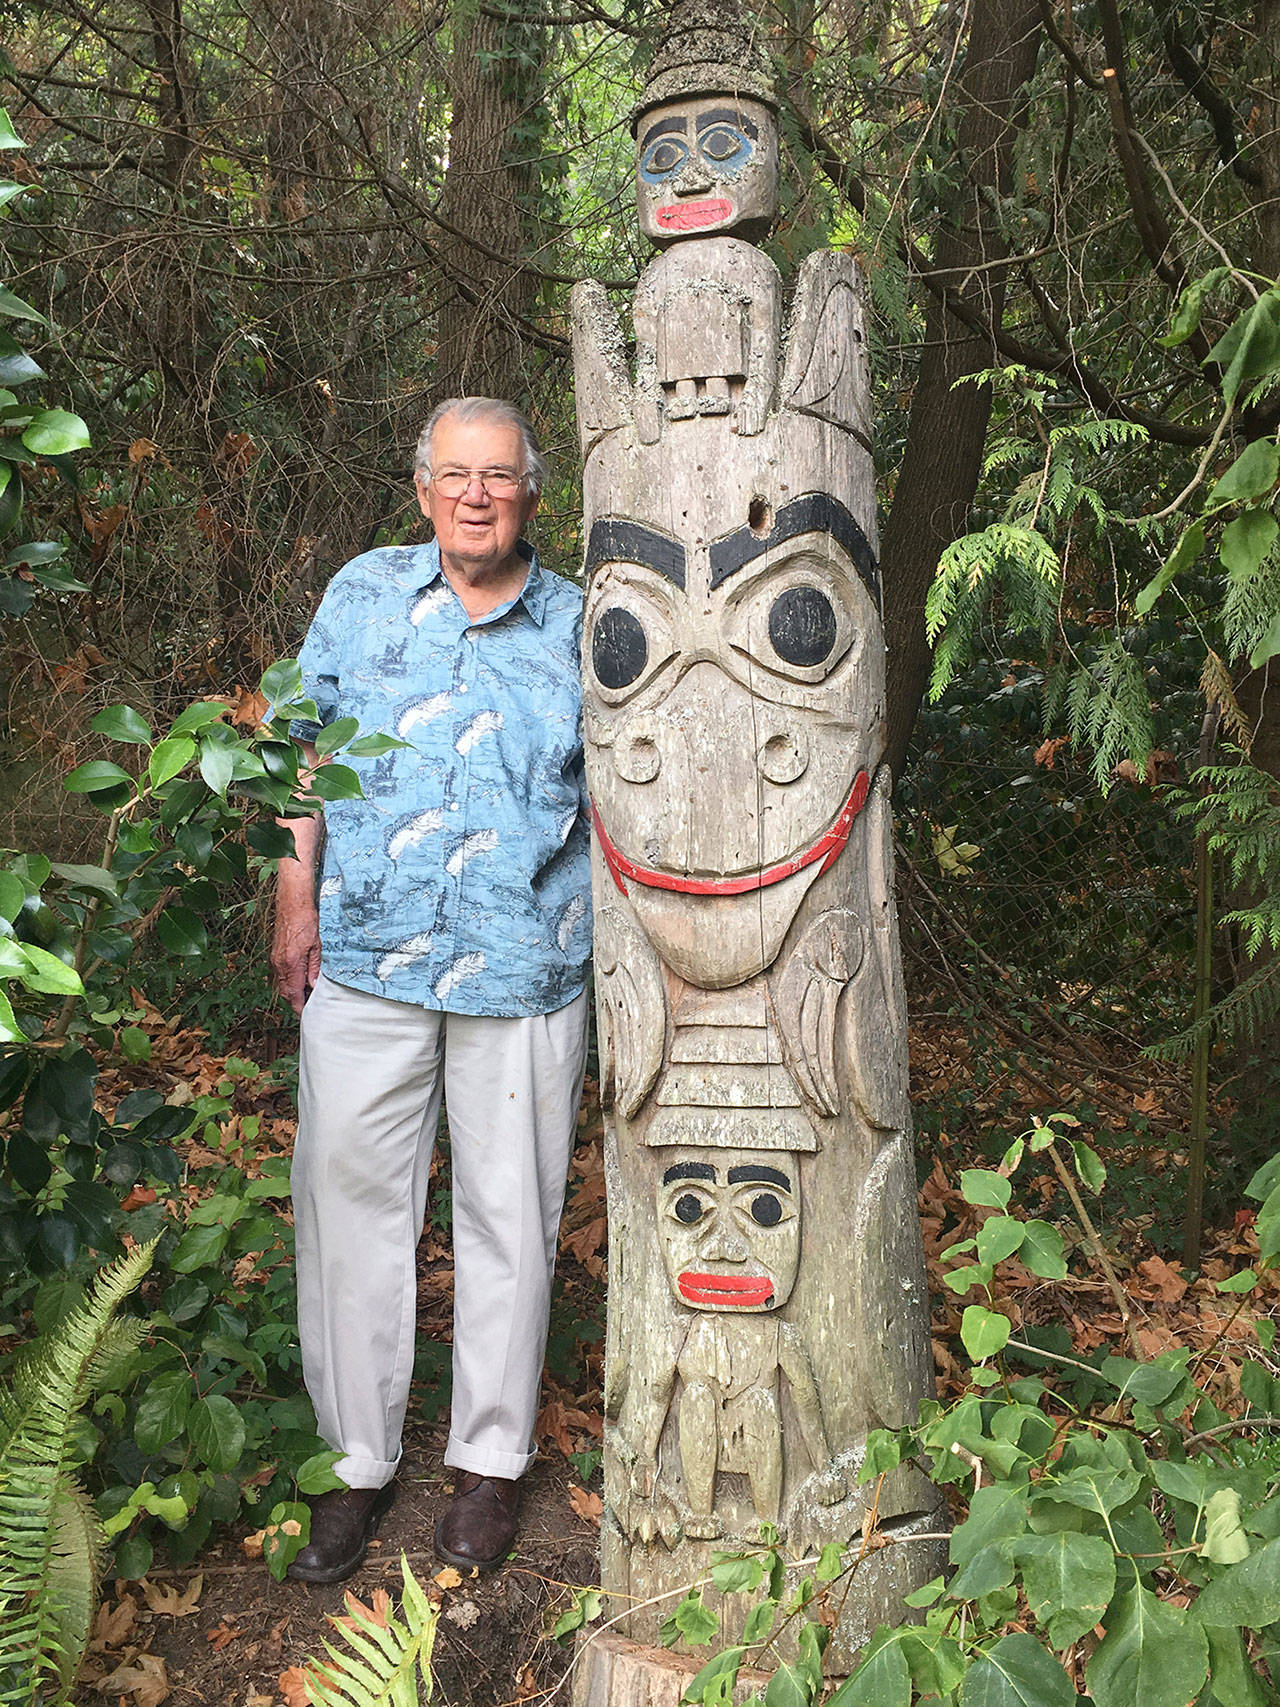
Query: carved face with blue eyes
(707, 165)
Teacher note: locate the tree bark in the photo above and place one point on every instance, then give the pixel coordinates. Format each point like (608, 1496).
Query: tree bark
(489, 189)
(948, 422)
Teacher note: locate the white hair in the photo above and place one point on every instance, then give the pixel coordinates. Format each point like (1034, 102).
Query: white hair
(467, 409)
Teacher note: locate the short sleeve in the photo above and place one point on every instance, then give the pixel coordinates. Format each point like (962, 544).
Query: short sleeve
(320, 665)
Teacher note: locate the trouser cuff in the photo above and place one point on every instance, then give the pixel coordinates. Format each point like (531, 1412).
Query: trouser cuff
(366, 1472)
(485, 1460)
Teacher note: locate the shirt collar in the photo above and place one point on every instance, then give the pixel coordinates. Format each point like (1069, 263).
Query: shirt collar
(425, 569)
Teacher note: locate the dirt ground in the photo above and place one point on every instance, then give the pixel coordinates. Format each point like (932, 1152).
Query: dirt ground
(238, 1642)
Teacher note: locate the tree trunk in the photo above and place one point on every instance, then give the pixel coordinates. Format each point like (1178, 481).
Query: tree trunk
(948, 424)
(489, 188)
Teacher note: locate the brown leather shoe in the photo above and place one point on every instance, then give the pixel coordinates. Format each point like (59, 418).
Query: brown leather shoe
(478, 1528)
(342, 1525)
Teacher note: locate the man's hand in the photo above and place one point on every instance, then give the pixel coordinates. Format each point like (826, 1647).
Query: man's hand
(295, 948)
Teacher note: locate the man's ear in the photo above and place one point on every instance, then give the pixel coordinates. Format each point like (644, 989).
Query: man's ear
(424, 493)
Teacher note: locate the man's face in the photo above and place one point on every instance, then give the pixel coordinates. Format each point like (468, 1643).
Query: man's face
(476, 532)
(705, 166)
(729, 1224)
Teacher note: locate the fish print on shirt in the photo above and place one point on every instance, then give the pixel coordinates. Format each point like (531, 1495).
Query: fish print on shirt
(411, 831)
(462, 876)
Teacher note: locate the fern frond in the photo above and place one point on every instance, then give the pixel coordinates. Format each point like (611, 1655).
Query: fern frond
(388, 1665)
(1017, 561)
(41, 1543)
(75, 1573)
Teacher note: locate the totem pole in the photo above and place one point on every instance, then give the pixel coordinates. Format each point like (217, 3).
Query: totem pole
(766, 1280)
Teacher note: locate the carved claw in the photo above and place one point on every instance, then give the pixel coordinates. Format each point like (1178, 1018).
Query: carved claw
(827, 1486)
(749, 417)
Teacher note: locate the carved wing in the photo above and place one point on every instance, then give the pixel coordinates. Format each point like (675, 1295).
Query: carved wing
(807, 997)
(825, 371)
(632, 1006)
(601, 382)
(875, 1016)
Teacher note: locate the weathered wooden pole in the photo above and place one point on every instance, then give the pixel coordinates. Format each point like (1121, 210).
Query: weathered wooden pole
(766, 1281)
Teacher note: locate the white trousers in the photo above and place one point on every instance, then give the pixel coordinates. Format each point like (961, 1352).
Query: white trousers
(371, 1076)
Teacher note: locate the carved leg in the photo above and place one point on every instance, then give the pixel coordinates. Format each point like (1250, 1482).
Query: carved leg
(715, 397)
(699, 1439)
(762, 1430)
(682, 402)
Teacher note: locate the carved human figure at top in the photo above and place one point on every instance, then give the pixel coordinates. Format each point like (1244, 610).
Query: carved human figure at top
(707, 317)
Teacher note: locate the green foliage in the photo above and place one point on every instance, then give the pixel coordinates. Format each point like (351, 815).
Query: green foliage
(51, 1542)
(205, 1421)
(1116, 1518)
(385, 1660)
(25, 434)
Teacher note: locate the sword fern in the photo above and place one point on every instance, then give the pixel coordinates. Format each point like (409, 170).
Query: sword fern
(389, 1664)
(51, 1545)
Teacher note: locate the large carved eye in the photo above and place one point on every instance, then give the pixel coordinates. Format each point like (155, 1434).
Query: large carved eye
(662, 158)
(689, 1209)
(802, 626)
(724, 147)
(766, 1209)
(619, 648)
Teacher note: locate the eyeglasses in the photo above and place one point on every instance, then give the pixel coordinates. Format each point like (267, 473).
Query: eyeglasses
(497, 482)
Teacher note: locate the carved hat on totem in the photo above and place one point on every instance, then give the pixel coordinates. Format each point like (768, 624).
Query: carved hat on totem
(708, 47)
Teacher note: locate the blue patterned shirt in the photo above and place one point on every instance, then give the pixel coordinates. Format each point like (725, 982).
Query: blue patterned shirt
(462, 880)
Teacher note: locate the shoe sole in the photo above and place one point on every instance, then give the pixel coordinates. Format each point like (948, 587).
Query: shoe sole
(348, 1568)
(462, 1562)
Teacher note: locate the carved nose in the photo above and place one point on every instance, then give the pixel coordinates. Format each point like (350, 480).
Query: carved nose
(693, 179)
(784, 755)
(722, 1244)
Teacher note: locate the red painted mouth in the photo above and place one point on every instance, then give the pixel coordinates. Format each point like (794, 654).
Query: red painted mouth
(826, 848)
(731, 1291)
(693, 216)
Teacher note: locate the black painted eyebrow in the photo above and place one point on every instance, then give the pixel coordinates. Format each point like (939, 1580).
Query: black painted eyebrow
(689, 1170)
(613, 540)
(815, 512)
(726, 115)
(759, 1176)
(661, 129)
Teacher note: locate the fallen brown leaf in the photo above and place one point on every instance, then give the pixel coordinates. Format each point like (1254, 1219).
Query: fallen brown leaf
(138, 1198)
(252, 1545)
(362, 1614)
(222, 1635)
(113, 1624)
(448, 1577)
(176, 1603)
(589, 1506)
(295, 1686)
(145, 1679)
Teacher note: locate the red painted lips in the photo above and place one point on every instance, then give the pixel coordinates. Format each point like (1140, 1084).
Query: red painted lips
(692, 216)
(727, 1291)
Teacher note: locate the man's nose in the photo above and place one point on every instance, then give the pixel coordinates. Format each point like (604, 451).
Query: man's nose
(475, 492)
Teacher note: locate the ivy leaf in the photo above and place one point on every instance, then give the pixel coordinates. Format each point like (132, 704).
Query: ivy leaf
(985, 1189)
(1186, 316)
(1267, 647)
(1225, 1542)
(1152, 1653)
(316, 1475)
(1232, 1679)
(999, 1237)
(162, 1410)
(984, 1332)
(1246, 1595)
(733, 1575)
(198, 1247)
(1250, 345)
(1089, 1166)
(882, 1680)
(1043, 1250)
(215, 1429)
(1068, 1579)
(1017, 1672)
(1253, 473)
(1246, 541)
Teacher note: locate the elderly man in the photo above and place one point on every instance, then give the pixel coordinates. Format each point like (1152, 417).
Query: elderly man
(445, 952)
